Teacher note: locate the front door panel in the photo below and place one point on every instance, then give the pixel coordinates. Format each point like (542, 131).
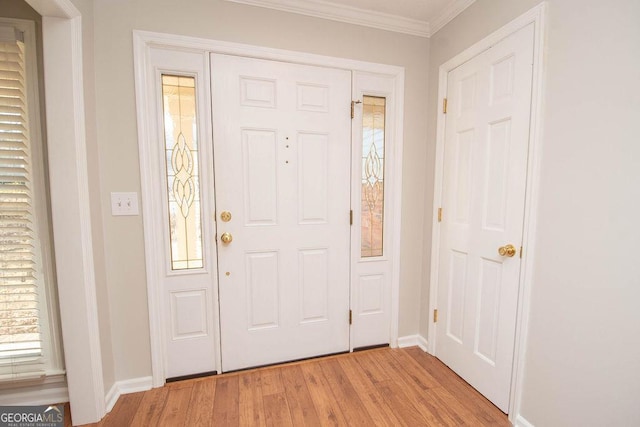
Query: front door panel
(282, 169)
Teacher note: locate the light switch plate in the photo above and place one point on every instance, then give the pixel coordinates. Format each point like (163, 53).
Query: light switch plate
(124, 204)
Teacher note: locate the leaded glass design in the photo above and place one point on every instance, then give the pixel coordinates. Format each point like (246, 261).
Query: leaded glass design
(372, 216)
(183, 189)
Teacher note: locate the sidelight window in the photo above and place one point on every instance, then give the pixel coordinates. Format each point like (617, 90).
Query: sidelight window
(372, 193)
(183, 187)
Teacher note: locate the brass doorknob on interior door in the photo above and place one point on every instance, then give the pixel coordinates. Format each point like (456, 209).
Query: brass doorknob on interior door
(507, 250)
(226, 238)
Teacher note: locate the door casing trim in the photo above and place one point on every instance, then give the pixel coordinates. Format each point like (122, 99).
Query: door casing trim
(143, 41)
(537, 16)
(71, 205)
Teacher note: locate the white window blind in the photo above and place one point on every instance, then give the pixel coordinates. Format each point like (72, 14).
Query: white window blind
(20, 270)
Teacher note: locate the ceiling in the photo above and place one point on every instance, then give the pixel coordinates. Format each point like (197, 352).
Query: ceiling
(417, 17)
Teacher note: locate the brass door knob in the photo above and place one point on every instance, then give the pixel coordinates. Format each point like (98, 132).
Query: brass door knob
(226, 238)
(508, 250)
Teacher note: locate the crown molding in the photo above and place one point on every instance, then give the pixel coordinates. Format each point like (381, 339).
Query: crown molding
(447, 15)
(64, 9)
(348, 14)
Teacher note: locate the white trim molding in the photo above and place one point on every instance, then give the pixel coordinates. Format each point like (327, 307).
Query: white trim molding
(70, 205)
(412, 341)
(535, 16)
(152, 240)
(348, 14)
(447, 15)
(522, 422)
(143, 41)
(367, 18)
(119, 388)
(53, 389)
(538, 16)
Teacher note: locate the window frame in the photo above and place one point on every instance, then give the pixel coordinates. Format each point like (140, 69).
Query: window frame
(52, 354)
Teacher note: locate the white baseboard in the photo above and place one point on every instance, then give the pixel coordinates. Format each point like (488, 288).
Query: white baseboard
(112, 397)
(423, 344)
(522, 422)
(119, 388)
(413, 340)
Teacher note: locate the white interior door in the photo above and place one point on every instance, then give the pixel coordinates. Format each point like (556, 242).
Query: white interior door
(485, 171)
(282, 167)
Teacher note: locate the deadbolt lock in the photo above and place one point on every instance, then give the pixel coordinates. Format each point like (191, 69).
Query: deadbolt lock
(225, 216)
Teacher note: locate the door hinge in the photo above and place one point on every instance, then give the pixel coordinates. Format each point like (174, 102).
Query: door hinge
(350, 317)
(353, 108)
(439, 214)
(435, 316)
(351, 217)
(444, 105)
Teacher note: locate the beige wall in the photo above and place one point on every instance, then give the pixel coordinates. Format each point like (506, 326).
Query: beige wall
(118, 148)
(583, 353)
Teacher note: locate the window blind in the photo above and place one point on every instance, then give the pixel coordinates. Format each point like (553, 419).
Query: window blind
(20, 272)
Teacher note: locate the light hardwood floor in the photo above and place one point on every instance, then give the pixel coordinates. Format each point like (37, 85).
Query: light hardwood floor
(394, 387)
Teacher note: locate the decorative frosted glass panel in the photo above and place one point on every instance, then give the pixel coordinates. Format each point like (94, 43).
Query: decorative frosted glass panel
(181, 148)
(372, 220)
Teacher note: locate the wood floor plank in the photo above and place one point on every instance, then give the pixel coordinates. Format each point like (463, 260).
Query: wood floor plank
(201, 405)
(303, 412)
(406, 377)
(329, 412)
(226, 409)
(352, 407)
(276, 410)
(270, 381)
(151, 407)
(436, 404)
(124, 410)
(401, 361)
(482, 409)
(250, 402)
(176, 406)
(413, 402)
(374, 402)
(367, 360)
(394, 387)
(448, 410)
(396, 398)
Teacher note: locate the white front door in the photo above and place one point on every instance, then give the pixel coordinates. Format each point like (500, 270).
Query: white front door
(484, 182)
(282, 169)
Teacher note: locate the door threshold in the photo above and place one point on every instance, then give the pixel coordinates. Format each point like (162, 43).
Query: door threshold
(286, 362)
(191, 377)
(370, 347)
